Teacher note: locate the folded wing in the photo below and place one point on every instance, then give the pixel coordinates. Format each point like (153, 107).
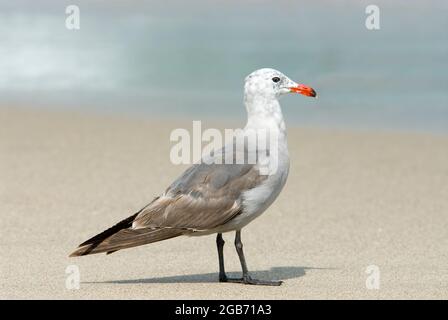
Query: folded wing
(203, 198)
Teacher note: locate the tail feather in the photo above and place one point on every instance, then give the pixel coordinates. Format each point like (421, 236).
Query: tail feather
(122, 236)
(127, 238)
(126, 223)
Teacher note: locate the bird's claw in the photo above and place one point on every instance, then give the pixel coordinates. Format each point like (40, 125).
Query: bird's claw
(223, 278)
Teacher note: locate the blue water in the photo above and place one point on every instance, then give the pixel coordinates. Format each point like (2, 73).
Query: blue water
(189, 59)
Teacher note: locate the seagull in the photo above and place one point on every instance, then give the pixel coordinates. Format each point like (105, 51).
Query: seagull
(216, 195)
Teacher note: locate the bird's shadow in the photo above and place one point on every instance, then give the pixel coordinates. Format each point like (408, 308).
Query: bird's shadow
(276, 273)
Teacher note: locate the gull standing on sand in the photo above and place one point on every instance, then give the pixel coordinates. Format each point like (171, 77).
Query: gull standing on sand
(215, 196)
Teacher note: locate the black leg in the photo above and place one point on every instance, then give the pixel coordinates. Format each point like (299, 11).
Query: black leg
(220, 244)
(246, 279)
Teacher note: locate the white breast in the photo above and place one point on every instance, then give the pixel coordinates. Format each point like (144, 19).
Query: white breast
(255, 201)
(265, 116)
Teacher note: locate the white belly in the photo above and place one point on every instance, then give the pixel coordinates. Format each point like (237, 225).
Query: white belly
(255, 201)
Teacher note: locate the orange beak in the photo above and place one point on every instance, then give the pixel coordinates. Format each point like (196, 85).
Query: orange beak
(303, 89)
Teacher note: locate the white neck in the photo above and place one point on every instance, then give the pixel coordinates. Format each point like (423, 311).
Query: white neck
(264, 113)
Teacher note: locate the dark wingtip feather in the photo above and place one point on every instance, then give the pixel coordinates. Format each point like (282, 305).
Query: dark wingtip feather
(87, 246)
(126, 223)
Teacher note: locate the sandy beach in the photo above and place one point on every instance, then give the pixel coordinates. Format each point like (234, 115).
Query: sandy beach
(353, 200)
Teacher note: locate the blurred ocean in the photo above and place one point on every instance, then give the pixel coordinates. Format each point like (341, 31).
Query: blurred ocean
(189, 58)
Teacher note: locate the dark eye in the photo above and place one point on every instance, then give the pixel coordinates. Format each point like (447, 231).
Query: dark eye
(276, 79)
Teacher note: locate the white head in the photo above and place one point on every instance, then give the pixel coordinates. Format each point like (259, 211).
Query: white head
(263, 88)
(270, 84)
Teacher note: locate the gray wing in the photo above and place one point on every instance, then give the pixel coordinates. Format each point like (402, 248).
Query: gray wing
(204, 197)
